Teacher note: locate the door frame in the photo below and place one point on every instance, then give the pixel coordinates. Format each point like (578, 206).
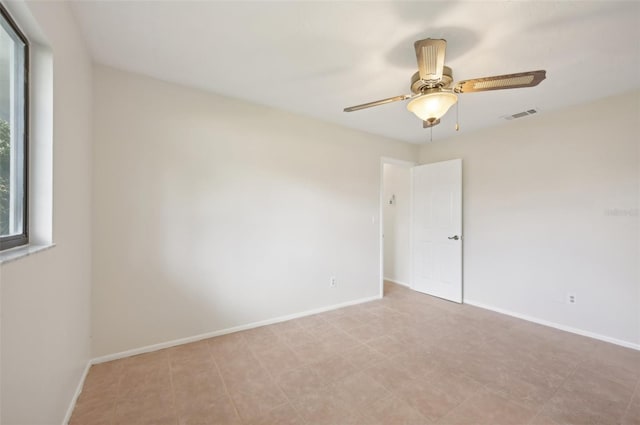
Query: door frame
(406, 164)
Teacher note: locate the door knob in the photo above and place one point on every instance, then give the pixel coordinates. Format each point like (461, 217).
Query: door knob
(455, 238)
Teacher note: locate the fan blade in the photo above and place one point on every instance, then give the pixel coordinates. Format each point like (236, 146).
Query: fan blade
(500, 82)
(377, 102)
(430, 55)
(427, 124)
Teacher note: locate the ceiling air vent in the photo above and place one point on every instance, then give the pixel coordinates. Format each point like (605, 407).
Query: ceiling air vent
(520, 114)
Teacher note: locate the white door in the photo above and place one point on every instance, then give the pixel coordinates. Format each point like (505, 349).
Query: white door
(436, 230)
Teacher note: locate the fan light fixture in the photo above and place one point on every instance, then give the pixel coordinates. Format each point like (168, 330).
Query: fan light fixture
(432, 106)
(432, 93)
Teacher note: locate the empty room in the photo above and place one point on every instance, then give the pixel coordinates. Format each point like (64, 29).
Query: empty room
(319, 212)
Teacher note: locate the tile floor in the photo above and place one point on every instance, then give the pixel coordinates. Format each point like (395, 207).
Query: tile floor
(406, 359)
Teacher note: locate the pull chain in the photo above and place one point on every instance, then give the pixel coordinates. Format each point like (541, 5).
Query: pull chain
(457, 115)
(431, 137)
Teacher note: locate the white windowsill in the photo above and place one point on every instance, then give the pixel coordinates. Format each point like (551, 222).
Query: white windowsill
(22, 251)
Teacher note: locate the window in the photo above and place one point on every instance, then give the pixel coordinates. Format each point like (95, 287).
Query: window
(14, 60)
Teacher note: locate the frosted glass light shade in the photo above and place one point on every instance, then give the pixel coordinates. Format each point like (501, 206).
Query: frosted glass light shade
(432, 105)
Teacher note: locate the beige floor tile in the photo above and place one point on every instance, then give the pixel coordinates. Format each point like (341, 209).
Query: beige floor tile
(346, 322)
(614, 371)
(191, 351)
(522, 391)
(388, 345)
(278, 358)
(134, 384)
(257, 400)
(217, 412)
(146, 362)
(435, 394)
(324, 407)
(360, 390)
(369, 316)
(461, 338)
(487, 408)
(477, 365)
(406, 359)
(321, 330)
(420, 361)
(366, 332)
(417, 336)
(333, 368)
(541, 419)
(102, 380)
(635, 400)
(242, 366)
(282, 415)
(189, 366)
(615, 354)
(226, 347)
(151, 408)
(392, 323)
(562, 345)
(388, 374)
(297, 337)
(632, 414)
(619, 364)
(588, 399)
(96, 411)
(528, 384)
(189, 357)
(363, 356)
(313, 352)
(394, 411)
(261, 338)
(300, 382)
(376, 309)
(199, 388)
(339, 341)
(246, 379)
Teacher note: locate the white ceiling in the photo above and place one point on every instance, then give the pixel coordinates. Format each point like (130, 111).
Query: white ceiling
(315, 58)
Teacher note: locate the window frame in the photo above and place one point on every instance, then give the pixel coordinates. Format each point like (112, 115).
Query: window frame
(13, 241)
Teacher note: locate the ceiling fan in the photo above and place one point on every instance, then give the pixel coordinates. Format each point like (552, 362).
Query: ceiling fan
(432, 94)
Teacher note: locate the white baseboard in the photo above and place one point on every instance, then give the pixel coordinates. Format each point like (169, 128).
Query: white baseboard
(577, 331)
(397, 281)
(72, 405)
(173, 343)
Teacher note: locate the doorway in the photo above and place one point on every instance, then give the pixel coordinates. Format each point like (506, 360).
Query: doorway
(421, 227)
(395, 222)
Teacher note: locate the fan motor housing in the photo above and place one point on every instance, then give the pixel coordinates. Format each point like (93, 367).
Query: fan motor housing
(419, 86)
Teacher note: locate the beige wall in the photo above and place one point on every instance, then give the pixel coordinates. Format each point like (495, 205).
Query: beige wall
(550, 208)
(212, 212)
(396, 216)
(45, 297)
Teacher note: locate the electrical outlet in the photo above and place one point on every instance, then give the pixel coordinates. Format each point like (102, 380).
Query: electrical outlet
(571, 298)
(332, 282)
